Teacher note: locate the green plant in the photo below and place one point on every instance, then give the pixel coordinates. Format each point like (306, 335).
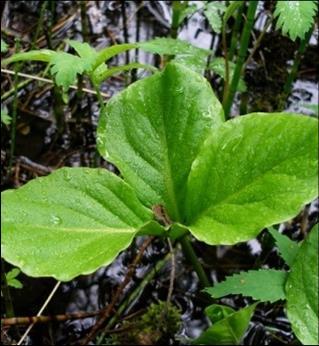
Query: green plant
(222, 181)
(299, 286)
(228, 326)
(295, 18)
(12, 280)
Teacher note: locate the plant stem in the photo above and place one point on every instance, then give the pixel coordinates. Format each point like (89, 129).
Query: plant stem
(294, 70)
(135, 293)
(235, 34)
(192, 258)
(230, 92)
(14, 111)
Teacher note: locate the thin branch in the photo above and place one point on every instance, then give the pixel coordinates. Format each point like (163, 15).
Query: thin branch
(105, 313)
(46, 80)
(40, 312)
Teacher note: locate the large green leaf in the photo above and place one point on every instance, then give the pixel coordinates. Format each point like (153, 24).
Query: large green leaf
(153, 130)
(254, 171)
(69, 223)
(228, 330)
(248, 284)
(295, 17)
(302, 291)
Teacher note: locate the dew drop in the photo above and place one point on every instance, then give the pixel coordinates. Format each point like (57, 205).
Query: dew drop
(56, 220)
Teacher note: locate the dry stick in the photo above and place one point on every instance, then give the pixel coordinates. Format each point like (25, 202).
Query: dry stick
(40, 311)
(45, 319)
(105, 313)
(41, 79)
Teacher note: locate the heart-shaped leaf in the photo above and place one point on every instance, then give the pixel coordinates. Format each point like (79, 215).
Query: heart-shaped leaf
(302, 291)
(69, 223)
(153, 130)
(254, 171)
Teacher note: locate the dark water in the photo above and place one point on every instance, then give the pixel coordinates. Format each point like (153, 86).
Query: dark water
(38, 139)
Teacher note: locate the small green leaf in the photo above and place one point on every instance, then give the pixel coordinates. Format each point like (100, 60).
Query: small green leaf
(213, 12)
(187, 11)
(108, 52)
(108, 72)
(13, 273)
(155, 158)
(229, 330)
(302, 291)
(15, 283)
(44, 55)
(218, 66)
(65, 67)
(287, 248)
(11, 278)
(69, 223)
(295, 18)
(4, 46)
(217, 312)
(5, 117)
(86, 52)
(257, 170)
(263, 285)
(186, 54)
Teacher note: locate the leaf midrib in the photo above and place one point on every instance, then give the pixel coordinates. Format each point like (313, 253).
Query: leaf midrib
(163, 138)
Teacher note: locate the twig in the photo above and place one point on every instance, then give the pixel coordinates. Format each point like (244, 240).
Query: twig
(40, 312)
(41, 79)
(105, 313)
(45, 319)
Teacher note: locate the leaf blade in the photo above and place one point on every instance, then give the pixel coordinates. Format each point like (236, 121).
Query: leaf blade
(295, 18)
(84, 218)
(287, 248)
(302, 291)
(167, 134)
(238, 180)
(248, 284)
(229, 330)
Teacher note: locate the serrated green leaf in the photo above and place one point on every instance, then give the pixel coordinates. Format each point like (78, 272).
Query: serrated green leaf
(302, 291)
(44, 55)
(65, 67)
(218, 66)
(287, 248)
(86, 52)
(257, 170)
(185, 12)
(153, 136)
(295, 18)
(227, 331)
(186, 54)
(213, 12)
(263, 285)
(4, 46)
(69, 223)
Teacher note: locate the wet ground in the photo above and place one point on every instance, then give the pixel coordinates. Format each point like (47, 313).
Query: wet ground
(44, 144)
